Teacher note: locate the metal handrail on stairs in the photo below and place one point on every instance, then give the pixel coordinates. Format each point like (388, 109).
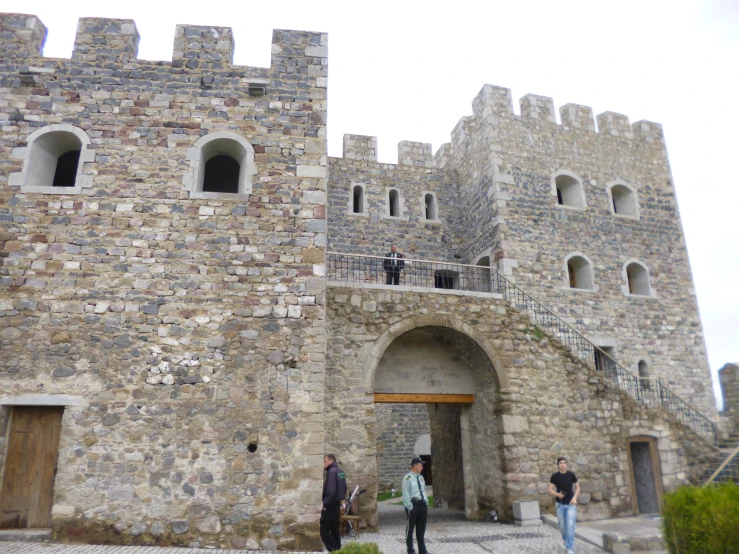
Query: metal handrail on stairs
(728, 469)
(652, 393)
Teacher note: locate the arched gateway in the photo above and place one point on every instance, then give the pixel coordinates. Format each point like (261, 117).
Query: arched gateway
(443, 366)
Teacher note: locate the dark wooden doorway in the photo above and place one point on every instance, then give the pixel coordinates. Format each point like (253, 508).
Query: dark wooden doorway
(30, 467)
(646, 477)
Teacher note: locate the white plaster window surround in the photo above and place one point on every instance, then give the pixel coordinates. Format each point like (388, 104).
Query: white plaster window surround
(394, 204)
(45, 146)
(578, 273)
(358, 199)
(429, 207)
(568, 191)
(637, 280)
(623, 199)
(219, 144)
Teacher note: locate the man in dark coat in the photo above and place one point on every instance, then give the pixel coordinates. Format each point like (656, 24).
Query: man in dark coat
(393, 264)
(334, 491)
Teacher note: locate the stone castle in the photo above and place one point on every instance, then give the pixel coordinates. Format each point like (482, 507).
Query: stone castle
(193, 307)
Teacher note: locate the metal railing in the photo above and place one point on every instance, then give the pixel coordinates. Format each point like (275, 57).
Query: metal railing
(727, 471)
(357, 268)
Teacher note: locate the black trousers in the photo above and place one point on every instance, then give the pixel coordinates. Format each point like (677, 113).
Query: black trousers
(416, 518)
(393, 276)
(330, 532)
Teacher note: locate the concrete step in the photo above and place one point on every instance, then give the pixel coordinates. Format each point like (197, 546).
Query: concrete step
(25, 535)
(620, 535)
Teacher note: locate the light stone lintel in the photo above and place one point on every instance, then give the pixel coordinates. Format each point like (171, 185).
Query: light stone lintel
(42, 400)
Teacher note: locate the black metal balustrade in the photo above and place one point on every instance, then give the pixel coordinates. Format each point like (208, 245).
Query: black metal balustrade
(356, 268)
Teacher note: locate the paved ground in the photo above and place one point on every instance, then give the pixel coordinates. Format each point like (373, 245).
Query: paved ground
(447, 533)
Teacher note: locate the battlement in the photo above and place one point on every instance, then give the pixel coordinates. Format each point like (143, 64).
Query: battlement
(21, 35)
(200, 47)
(417, 154)
(360, 147)
(196, 47)
(101, 39)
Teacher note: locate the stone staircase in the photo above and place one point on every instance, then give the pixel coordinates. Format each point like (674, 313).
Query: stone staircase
(727, 446)
(651, 394)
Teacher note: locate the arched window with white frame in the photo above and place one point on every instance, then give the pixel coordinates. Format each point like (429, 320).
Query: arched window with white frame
(580, 272)
(637, 279)
(568, 189)
(221, 167)
(53, 161)
(623, 199)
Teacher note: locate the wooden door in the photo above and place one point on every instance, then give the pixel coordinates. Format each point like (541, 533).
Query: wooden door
(646, 479)
(30, 467)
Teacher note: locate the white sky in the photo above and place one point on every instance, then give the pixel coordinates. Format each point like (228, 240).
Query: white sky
(408, 70)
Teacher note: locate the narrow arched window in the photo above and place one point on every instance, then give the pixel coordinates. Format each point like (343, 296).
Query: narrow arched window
(54, 159)
(221, 174)
(624, 200)
(393, 203)
(644, 374)
(220, 163)
(358, 200)
(638, 279)
(430, 205)
(569, 191)
(580, 273)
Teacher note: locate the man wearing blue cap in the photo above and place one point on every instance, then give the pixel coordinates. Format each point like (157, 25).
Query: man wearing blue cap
(416, 504)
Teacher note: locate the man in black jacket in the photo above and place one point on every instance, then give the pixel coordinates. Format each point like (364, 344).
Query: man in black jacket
(334, 491)
(393, 264)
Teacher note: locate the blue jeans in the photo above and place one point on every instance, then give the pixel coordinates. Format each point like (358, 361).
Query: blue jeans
(566, 517)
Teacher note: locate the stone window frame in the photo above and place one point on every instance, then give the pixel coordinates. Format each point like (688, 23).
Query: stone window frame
(591, 267)
(580, 190)
(365, 211)
(435, 220)
(26, 180)
(193, 178)
(625, 277)
(401, 205)
(635, 196)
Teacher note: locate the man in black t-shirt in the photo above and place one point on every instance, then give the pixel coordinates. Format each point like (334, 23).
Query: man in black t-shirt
(564, 487)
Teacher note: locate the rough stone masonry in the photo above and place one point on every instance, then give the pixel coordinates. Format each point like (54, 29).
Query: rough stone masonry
(204, 360)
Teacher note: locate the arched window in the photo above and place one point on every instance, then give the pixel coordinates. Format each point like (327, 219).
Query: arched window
(624, 200)
(429, 201)
(53, 161)
(637, 278)
(569, 190)
(643, 374)
(358, 199)
(393, 199)
(580, 272)
(221, 166)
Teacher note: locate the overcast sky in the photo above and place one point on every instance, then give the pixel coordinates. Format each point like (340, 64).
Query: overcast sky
(408, 70)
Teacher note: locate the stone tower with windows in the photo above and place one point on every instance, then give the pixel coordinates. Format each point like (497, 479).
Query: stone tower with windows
(193, 307)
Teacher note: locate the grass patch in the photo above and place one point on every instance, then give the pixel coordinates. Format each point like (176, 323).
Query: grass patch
(386, 496)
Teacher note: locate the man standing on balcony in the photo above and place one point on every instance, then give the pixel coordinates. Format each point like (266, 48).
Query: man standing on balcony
(564, 487)
(393, 264)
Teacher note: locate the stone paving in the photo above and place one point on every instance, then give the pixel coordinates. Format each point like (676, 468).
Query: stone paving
(447, 533)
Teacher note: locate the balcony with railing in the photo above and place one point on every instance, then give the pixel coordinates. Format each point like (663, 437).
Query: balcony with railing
(436, 275)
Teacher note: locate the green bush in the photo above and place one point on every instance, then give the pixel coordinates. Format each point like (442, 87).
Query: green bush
(699, 520)
(359, 548)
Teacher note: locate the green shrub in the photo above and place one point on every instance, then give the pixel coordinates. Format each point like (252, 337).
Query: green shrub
(699, 520)
(359, 548)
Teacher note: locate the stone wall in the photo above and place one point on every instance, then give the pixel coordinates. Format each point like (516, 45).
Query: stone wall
(534, 402)
(191, 328)
(399, 426)
(729, 378)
